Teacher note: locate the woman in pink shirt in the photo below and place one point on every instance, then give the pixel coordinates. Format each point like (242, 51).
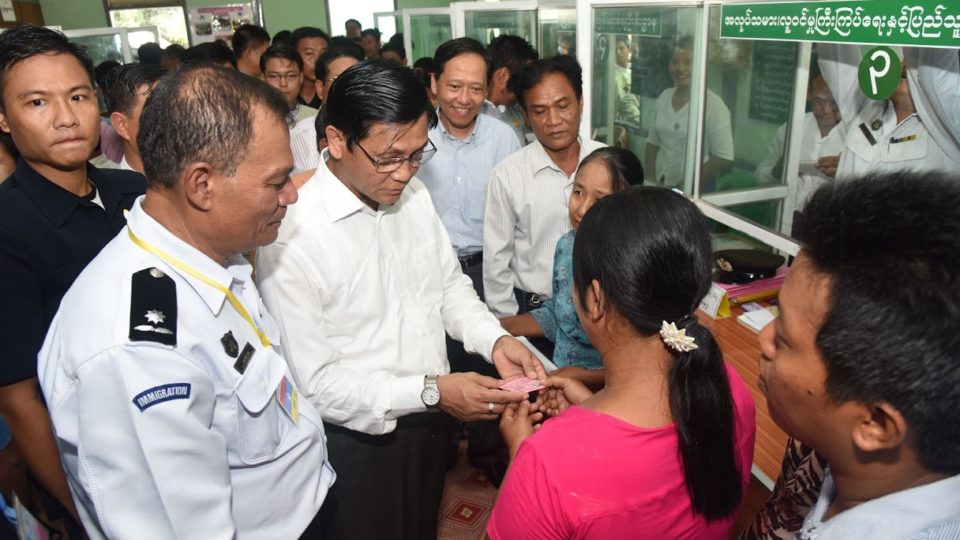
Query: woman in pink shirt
(664, 450)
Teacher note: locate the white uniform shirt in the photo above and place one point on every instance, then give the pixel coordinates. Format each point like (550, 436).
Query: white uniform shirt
(525, 216)
(813, 146)
(927, 140)
(123, 165)
(171, 441)
(669, 132)
(303, 145)
(363, 298)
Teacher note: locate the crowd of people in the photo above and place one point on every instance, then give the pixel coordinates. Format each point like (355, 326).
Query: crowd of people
(265, 287)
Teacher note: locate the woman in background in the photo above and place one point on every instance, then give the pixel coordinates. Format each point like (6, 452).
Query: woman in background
(606, 170)
(664, 450)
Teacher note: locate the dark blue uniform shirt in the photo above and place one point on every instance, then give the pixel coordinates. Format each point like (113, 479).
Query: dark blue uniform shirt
(47, 237)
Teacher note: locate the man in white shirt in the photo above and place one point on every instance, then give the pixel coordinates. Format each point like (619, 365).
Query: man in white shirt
(861, 365)
(125, 90)
(917, 128)
(304, 142)
(365, 285)
(175, 413)
(526, 210)
(822, 136)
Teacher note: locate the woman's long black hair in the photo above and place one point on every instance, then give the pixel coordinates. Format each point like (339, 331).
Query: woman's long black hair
(649, 249)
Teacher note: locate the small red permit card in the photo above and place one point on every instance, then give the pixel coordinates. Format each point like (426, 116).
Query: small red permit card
(521, 385)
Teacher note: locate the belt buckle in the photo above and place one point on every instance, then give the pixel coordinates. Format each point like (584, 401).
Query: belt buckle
(535, 300)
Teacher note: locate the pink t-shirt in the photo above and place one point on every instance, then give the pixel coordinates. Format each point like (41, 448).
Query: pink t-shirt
(586, 474)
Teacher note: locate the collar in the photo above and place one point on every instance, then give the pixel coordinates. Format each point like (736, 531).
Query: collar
(337, 198)
(151, 231)
(470, 138)
(491, 105)
(539, 160)
(57, 204)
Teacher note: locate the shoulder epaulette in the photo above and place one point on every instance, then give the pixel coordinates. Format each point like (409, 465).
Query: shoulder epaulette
(153, 307)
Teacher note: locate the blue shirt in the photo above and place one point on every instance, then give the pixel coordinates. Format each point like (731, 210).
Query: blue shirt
(457, 177)
(557, 316)
(930, 512)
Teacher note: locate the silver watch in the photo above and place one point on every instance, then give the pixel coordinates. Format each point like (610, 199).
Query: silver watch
(431, 393)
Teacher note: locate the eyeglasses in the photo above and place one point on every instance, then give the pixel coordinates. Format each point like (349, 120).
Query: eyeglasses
(288, 77)
(387, 165)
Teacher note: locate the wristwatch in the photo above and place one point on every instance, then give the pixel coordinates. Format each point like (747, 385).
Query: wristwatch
(431, 393)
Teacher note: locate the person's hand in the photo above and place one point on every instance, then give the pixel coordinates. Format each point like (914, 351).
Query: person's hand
(828, 165)
(468, 396)
(512, 359)
(562, 393)
(516, 425)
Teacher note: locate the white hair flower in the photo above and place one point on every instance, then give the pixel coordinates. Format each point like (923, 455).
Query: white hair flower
(676, 339)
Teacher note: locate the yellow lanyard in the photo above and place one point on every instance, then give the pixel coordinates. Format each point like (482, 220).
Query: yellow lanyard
(234, 301)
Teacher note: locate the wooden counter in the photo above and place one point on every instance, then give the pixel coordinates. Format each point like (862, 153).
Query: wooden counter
(741, 350)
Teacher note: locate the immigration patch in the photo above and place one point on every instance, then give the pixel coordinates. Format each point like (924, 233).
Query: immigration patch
(158, 394)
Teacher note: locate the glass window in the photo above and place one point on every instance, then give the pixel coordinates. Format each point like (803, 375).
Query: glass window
(427, 32)
(101, 48)
(644, 66)
(484, 25)
(361, 10)
(388, 23)
(170, 22)
(558, 32)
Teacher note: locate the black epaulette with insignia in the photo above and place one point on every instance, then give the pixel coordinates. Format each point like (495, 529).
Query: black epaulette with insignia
(153, 307)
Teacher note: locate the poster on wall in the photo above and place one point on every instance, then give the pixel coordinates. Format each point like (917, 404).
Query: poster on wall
(218, 22)
(7, 12)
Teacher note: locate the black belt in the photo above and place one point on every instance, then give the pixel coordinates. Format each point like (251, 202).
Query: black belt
(531, 299)
(473, 259)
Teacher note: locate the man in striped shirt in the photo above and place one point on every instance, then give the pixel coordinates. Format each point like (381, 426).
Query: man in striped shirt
(526, 209)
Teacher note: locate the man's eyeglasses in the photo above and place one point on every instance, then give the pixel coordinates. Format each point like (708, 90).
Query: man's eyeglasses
(289, 77)
(390, 164)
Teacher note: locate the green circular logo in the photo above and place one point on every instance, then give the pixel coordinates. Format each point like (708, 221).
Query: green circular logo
(879, 73)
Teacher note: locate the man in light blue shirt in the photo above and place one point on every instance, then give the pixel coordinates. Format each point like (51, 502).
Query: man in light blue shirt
(468, 145)
(861, 365)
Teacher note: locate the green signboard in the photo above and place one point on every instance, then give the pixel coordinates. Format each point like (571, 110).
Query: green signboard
(495, 19)
(878, 22)
(627, 21)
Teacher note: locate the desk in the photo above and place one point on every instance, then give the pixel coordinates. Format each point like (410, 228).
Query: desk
(741, 350)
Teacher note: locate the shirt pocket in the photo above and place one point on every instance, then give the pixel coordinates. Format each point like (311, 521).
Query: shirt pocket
(260, 419)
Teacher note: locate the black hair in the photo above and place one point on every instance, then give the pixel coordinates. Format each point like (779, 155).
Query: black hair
(202, 112)
(346, 24)
(622, 164)
(890, 248)
(26, 41)
(283, 51)
(121, 84)
(149, 53)
(174, 51)
(454, 48)
(532, 74)
(424, 68)
(211, 52)
(375, 92)
(393, 47)
(339, 47)
(370, 32)
(103, 69)
(248, 35)
(283, 36)
(305, 32)
(512, 52)
(649, 249)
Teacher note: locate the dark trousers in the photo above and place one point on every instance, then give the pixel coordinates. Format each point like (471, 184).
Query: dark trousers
(388, 486)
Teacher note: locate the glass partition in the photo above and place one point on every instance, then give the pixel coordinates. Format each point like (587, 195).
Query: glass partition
(101, 47)
(388, 22)
(558, 31)
(484, 21)
(116, 44)
(644, 63)
(427, 29)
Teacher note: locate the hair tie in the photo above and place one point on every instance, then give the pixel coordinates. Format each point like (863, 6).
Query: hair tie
(677, 338)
